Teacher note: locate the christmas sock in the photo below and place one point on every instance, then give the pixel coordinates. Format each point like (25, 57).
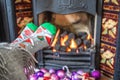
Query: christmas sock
(40, 38)
(27, 31)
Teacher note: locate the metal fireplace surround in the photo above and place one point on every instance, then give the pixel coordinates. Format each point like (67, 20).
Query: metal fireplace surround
(66, 7)
(93, 7)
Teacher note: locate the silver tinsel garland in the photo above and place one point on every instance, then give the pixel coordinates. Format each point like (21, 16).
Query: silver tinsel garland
(13, 62)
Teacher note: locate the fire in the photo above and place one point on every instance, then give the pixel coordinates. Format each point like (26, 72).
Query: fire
(89, 37)
(64, 43)
(73, 44)
(54, 50)
(84, 47)
(63, 40)
(68, 49)
(55, 38)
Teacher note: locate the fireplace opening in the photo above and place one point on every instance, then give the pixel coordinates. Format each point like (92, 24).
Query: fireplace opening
(73, 45)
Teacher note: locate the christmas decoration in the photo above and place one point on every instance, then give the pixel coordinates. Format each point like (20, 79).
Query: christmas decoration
(28, 30)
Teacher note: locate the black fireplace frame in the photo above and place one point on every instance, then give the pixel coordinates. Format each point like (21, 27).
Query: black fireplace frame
(96, 11)
(8, 20)
(117, 57)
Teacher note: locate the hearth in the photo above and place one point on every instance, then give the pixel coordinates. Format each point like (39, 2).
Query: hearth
(59, 12)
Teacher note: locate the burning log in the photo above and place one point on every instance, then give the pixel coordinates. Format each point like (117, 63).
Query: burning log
(87, 43)
(71, 36)
(57, 47)
(67, 43)
(73, 50)
(63, 48)
(78, 41)
(80, 49)
(82, 35)
(91, 49)
(64, 33)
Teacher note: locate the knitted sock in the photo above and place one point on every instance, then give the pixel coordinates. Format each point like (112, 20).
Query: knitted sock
(40, 38)
(29, 29)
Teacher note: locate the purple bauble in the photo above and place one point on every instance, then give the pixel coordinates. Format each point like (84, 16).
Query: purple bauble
(39, 74)
(32, 77)
(44, 70)
(60, 74)
(66, 78)
(80, 72)
(52, 70)
(75, 76)
(96, 74)
(74, 72)
(54, 77)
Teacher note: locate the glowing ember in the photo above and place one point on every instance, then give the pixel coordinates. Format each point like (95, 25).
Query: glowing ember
(68, 49)
(54, 50)
(85, 47)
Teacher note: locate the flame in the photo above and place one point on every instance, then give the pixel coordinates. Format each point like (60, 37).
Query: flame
(54, 50)
(89, 37)
(68, 49)
(73, 44)
(84, 47)
(55, 38)
(63, 40)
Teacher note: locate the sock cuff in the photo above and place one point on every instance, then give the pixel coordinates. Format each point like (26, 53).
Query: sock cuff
(32, 26)
(50, 27)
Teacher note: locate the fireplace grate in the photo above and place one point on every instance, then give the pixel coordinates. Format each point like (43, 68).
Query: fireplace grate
(75, 61)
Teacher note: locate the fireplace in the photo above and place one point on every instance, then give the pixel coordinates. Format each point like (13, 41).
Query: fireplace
(59, 12)
(67, 49)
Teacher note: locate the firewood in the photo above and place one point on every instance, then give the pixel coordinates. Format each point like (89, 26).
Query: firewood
(71, 36)
(80, 49)
(87, 43)
(80, 34)
(64, 33)
(73, 50)
(78, 41)
(63, 48)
